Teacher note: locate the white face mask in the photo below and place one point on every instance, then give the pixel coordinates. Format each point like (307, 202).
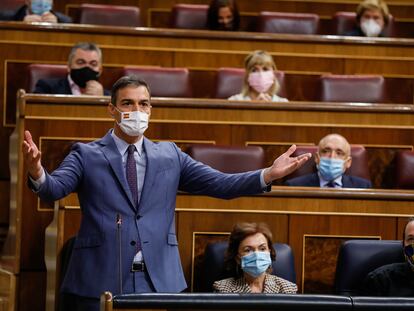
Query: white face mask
(133, 123)
(370, 28)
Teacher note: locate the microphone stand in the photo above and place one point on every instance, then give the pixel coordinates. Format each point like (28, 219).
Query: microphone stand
(119, 240)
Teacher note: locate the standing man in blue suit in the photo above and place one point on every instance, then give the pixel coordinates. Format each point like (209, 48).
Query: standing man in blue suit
(332, 160)
(126, 177)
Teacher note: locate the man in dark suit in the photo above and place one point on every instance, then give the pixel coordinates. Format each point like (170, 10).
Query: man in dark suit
(36, 11)
(124, 177)
(395, 279)
(332, 160)
(84, 69)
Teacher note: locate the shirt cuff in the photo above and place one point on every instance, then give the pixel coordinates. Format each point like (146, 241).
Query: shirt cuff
(262, 181)
(38, 182)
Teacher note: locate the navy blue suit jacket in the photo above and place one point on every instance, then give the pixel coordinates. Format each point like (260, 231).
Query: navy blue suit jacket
(95, 172)
(357, 32)
(56, 86)
(20, 14)
(312, 180)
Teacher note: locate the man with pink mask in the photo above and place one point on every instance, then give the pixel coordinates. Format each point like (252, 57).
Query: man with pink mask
(372, 18)
(260, 82)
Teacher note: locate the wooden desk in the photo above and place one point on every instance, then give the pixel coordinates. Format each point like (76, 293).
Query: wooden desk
(314, 222)
(58, 121)
(206, 50)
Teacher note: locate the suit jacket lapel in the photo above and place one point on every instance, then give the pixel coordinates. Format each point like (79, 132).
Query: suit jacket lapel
(151, 170)
(314, 180)
(346, 182)
(114, 158)
(65, 86)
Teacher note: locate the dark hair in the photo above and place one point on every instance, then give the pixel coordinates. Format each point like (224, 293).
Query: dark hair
(239, 233)
(213, 10)
(85, 46)
(411, 219)
(124, 82)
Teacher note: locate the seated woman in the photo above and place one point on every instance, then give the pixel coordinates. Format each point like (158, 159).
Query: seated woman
(372, 17)
(260, 82)
(223, 15)
(249, 257)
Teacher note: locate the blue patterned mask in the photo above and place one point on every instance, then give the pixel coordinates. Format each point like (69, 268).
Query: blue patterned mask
(331, 168)
(256, 263)
(39, 7)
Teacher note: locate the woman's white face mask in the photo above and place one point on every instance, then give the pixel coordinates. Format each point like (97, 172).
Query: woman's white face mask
(133, 123)
(370, 28)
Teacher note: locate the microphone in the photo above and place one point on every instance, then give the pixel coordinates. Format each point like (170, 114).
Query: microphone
(119, 240)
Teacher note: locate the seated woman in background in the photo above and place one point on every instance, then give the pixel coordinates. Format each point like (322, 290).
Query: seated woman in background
(372, 17)
(260, 82)
(223, 15)
(249, 257)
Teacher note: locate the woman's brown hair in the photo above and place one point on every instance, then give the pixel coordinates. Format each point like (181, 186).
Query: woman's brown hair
(239, 233)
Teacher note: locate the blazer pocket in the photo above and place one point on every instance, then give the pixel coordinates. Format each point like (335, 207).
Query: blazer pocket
(89, 241)
(172, 239)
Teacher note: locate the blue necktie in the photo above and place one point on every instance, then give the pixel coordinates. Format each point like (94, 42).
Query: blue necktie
(131, 174)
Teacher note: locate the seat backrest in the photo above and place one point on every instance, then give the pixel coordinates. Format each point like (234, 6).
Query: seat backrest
(10, 4)
(114, 15)
(214, 268)
(293, 23)
(358, 168)
(352, 88)
(229, 159)
(163, 82)
(345, 22)
(230, 82)
(189, 16)
(357, 258)
(404, 170)
(45, 71)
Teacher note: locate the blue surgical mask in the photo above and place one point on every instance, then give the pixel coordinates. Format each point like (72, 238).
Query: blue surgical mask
(331, 168)
(256, 263)
(39, 7)
(409, 254)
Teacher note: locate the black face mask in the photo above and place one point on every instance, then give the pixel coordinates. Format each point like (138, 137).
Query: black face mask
(82, 75)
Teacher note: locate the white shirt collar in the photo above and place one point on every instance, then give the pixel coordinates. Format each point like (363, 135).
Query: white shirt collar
(337, 181)
(122, 145)
(74, 87)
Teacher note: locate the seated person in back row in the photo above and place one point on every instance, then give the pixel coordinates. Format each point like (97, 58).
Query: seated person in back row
(249, 258)
(396, 279)
(85, 67)
(223, 15)
(260, 82)
(332, 160)
(372, 17)
(35, 11)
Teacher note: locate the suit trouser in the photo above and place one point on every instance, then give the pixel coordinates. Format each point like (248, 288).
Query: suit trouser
(141, 283)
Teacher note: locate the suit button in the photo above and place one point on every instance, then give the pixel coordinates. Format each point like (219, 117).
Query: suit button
(133, 243)
(138, 216)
